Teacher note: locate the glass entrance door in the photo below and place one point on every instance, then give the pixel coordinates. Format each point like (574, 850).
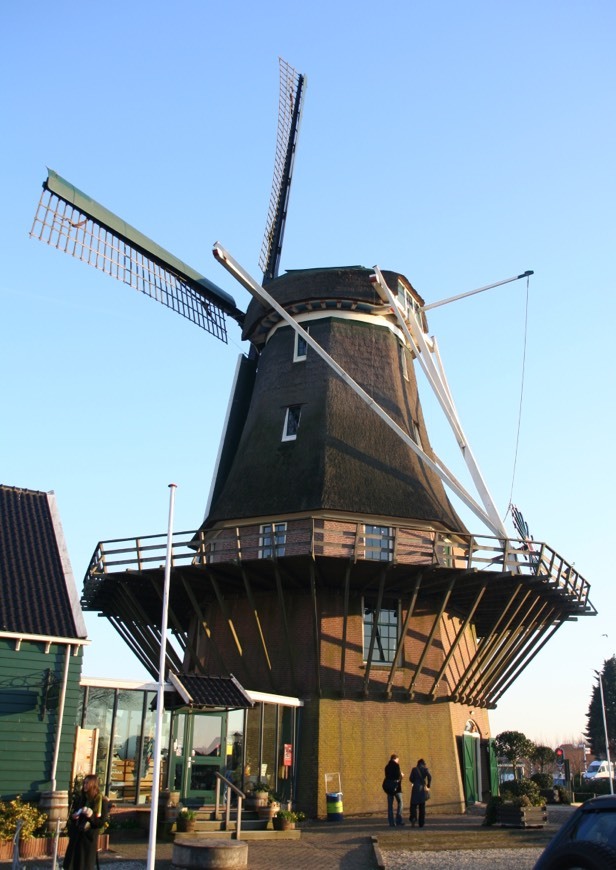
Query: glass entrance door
(206, 736)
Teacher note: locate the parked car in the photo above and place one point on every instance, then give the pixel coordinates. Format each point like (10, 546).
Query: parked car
(598, 770)
(586, 841)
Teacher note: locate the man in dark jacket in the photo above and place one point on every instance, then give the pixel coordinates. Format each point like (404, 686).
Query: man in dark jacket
(421, 780)
(392, 785)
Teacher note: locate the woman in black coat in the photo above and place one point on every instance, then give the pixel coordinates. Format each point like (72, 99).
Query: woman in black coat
(421, 780)
(89, 814)
(392, 785)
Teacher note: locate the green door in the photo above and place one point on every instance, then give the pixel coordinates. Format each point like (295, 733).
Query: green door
(469, 755)
(199, 744)
(493, 762)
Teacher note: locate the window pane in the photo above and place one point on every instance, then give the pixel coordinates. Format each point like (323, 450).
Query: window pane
(386, 637)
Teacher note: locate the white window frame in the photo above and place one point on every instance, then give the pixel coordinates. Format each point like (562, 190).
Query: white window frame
(300, 347)
(292, 419)
(404, 362)
(272, 540)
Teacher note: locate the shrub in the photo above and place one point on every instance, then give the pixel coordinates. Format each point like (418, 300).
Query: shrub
(564, 795)
(543, 780)
(523, 792)
(491, 810)
(11, 812)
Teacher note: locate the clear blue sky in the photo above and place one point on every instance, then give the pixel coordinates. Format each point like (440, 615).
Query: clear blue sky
(458, 143)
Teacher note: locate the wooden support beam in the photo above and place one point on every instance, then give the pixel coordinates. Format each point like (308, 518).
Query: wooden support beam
(149, 664)
(285, 625)
(225, 612)
(499, 691)
(516, 649)
(201, 622)
(253, 606)
(316, 625)
(484, 647)
(428, 642)
(458, 638)
(402, 635)
(507, 643)
(375, 621)
(142, 628)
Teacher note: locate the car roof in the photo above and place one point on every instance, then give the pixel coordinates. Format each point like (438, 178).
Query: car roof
(603, 802)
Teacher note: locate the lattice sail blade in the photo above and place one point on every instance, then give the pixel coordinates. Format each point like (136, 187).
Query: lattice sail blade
(292, 87)
(70, 221)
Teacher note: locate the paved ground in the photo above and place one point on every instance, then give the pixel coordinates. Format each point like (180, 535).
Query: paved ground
(356, 844)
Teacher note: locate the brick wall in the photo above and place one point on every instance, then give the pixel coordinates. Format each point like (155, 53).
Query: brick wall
(356, 739)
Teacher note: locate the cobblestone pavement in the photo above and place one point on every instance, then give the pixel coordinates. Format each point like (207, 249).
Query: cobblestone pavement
(351, 844)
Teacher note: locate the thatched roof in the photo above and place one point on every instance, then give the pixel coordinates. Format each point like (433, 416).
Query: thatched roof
(344, 457)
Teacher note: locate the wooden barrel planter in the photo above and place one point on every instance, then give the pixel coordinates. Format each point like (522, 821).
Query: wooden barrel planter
(511, 816)
(55, 804)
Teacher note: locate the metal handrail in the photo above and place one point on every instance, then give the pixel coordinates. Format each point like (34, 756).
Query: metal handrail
(240, 797)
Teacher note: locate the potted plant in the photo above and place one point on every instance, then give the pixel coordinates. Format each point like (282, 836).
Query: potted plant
(186, 820)
(268, 811)
(285, 820)
(262, 792)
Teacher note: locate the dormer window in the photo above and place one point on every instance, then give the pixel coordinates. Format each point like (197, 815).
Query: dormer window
(291, 423)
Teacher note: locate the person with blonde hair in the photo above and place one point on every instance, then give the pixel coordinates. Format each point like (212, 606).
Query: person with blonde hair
(88, 816)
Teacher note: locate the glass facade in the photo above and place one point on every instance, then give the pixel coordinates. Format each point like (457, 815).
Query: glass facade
(246, 746)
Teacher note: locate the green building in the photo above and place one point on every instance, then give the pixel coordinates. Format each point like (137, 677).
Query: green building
(42, 635)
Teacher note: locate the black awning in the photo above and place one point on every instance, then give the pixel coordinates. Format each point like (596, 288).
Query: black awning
(206, 693)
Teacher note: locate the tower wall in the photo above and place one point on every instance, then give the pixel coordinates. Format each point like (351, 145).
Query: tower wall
(356, 739)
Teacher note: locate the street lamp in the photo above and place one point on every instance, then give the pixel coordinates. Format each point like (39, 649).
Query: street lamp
(607, 743)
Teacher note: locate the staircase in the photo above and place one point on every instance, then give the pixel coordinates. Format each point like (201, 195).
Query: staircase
(206, 826)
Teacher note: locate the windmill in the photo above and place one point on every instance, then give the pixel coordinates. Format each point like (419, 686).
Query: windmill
(331, 565)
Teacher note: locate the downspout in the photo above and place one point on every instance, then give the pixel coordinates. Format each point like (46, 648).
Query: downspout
(61, 703)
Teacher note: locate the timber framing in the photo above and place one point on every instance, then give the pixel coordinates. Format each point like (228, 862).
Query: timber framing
(507, 601)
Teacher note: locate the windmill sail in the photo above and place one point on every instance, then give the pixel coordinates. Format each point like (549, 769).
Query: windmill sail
(292, 87)
(71, 221)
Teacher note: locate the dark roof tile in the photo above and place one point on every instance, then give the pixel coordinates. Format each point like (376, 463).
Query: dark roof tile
(37, 592)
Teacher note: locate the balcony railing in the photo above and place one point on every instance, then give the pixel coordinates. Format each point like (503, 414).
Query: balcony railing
(401, 545)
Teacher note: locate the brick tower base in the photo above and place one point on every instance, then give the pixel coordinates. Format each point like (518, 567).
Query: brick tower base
(356, 739)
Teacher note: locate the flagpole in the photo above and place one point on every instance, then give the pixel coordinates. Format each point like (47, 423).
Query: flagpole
(160, 699)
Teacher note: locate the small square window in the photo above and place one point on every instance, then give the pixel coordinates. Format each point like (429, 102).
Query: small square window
(378, 543)
(272, 540)
(291, 423)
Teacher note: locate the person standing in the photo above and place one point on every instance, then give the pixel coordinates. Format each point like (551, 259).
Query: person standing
(88, 816)
(421, 780)
(392, 785)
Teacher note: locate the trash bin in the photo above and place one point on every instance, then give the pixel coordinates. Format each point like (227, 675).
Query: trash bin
(334, 806)
(333, 797)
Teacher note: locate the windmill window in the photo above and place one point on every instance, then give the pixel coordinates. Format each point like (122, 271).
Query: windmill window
(386, 625)
(415, 434)
(300, 348)
(272, 540)
(378, 543)
(291, 423)
(406, 301)
(404, 363)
